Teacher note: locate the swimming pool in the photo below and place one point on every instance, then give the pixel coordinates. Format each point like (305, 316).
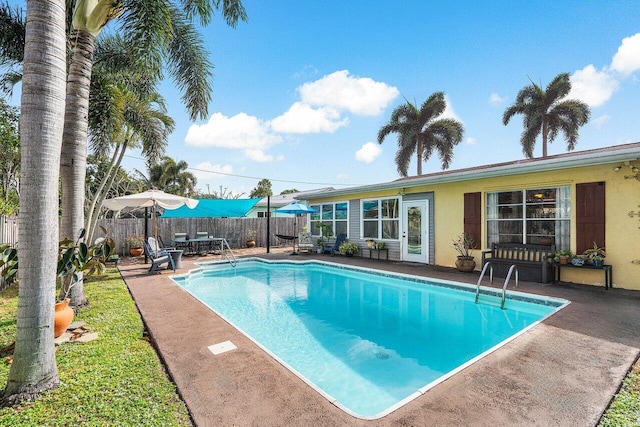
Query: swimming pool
(367, 340)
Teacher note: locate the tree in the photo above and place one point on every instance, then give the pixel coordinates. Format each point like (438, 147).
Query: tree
(12, 33)
(125, 111)
(158, 33)
(546, 112)
(263, 189)
(9, 158)
(42, 105)
(290, 191)
(420, 132)
(172, 177)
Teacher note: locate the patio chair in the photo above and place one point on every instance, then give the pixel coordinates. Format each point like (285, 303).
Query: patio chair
(158, 260)
(305, 243)
(157, 248)
(332, 248)
(233, 238)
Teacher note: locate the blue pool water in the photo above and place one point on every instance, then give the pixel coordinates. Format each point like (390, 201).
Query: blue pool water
(367, 341)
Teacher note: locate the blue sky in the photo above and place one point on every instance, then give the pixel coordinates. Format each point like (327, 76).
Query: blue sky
(302, 88)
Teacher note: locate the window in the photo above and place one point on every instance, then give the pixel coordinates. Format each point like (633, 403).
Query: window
(380, 218)
(539, 216)
(334, 215)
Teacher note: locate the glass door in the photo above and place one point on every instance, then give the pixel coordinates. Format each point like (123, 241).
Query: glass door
(415, 236)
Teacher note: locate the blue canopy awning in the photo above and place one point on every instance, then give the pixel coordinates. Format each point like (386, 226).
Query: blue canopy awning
(214, 208)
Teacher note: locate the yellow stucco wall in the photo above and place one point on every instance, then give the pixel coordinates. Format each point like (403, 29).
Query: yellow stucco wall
(622, 231)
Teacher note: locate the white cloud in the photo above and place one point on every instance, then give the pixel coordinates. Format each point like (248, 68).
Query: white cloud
(495, 99)
(471, 140)
(358, 95)
(627, 59)
(448, 112)
(238, 132)
(302, 118)
(368, 152)
(592, 86)
(207, 171)
(598, 122)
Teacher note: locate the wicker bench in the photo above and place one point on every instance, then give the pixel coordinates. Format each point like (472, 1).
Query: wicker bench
(533, 261)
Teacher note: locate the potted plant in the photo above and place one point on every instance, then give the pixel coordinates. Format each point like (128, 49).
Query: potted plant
(73, 258)
(563, 256)
(348, 249)
(464, 245)
(135, 243)
(380, 245)
(251, 238)
(320, 244)
(371, 244)
(595, 255)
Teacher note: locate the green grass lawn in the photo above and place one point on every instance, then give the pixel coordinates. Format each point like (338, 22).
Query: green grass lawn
(114, 380)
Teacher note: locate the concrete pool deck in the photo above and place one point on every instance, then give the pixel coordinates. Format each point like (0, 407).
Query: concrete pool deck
(562, 372)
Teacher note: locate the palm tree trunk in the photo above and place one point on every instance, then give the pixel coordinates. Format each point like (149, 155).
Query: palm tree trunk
(545, 131)
(73, 163)
(419, 149)
(105, 185)
(43, 97)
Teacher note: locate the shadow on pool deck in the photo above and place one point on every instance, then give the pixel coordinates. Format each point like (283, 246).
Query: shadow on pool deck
(563, 372)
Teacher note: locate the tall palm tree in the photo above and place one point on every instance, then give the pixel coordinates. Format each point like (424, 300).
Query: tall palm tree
(43, 96)
(158, 33)
(421, 132)
(125, 111)
(546, 112)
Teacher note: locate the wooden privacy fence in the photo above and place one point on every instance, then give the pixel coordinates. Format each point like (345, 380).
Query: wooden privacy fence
(118, 229)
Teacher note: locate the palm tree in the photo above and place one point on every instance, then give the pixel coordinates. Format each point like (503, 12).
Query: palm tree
(125, 111)
(420, 132)
(12, 25)
(545, 112)
(43, 95)
(157, 32)
(172, 177)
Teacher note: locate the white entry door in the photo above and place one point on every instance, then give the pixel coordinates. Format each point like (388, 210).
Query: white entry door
(415, 232)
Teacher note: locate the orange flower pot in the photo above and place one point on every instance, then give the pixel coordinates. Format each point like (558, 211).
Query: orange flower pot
(63, 318)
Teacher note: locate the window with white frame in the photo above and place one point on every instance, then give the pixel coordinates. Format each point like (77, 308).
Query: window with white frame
(380, 218)
(335, 216)
(538, 216)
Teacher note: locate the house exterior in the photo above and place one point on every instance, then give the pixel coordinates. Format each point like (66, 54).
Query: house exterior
(570, 200)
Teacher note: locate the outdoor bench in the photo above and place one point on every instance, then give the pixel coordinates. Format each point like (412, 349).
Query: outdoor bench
(532, 261)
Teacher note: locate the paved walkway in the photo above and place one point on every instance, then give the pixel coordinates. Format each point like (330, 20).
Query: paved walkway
(561, 373)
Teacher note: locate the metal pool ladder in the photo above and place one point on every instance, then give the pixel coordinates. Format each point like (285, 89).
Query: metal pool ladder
(232, 260)
(506, 281)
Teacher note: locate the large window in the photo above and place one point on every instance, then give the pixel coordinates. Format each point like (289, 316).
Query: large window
(334, 215)
(539, 216)
(380, 218)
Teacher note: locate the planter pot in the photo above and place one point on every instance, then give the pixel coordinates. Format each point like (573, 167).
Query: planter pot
(320, 249)
(597, 262)
(135, 251)
(545, 240)
(371, 244)
(348, 254)
(465, 264)
(62, 318)
(563, 260)
(251, 243)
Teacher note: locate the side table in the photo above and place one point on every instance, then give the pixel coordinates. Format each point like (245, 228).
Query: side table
(385, 250)
(176, 254)
(606, 268)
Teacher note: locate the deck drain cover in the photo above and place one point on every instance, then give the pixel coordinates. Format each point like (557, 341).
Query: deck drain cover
(222, 347)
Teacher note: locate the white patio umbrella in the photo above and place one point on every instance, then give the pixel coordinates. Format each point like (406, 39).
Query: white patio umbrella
(150, 198)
